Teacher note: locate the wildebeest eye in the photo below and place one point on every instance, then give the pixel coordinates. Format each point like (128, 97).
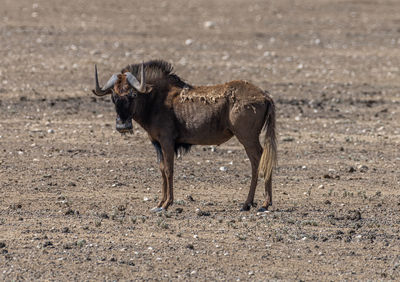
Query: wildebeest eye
(132, 94)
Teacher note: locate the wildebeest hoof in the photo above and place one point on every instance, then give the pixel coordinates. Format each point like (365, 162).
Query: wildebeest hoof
(245, 208)
(157, 209)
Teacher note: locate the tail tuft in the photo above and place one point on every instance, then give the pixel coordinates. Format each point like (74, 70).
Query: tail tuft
(269, 156)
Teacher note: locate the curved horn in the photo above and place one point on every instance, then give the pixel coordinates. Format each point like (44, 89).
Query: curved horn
(142, 80)
(106, 89)
(132, 80)
(141, 87)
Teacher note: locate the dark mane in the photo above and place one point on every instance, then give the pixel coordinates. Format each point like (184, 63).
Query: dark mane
(157, 72)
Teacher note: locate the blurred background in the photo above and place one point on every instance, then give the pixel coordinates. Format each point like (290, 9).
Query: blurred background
(51, 46)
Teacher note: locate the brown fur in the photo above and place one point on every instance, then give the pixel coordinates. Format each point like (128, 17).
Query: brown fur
(177, 115)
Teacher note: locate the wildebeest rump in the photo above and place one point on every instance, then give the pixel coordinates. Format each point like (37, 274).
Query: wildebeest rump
(177, 115)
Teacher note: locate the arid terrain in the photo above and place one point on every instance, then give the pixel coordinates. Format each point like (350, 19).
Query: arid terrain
(76, 195)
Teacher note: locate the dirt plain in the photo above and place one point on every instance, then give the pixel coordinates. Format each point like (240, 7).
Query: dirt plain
(76, 195)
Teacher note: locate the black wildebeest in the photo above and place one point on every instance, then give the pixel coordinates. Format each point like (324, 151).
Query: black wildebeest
(177, 115)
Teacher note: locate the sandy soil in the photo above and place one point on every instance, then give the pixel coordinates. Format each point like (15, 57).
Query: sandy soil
(75, 195)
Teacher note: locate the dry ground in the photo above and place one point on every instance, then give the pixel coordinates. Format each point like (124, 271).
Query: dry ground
(75, 195)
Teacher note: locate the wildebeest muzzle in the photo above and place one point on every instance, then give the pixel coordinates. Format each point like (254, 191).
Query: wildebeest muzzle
(124, 126)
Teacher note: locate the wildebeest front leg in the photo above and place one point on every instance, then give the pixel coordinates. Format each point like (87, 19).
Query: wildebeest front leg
(164, 185)
(168, 153)
(167, 173)
(160, 160)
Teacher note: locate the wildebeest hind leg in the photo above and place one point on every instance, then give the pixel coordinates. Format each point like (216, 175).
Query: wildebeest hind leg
(268, 195)
(254, 151)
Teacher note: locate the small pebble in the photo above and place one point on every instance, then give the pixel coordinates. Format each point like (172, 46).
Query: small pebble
(362, 168)
(288, 139)
(209, 24)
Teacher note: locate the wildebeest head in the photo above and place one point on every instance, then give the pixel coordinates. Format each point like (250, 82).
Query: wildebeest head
(124, 88)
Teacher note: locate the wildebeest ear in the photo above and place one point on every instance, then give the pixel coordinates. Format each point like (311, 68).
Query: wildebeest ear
(148, 88)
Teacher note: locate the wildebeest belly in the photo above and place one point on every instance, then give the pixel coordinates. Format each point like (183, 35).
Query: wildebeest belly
(202, 123)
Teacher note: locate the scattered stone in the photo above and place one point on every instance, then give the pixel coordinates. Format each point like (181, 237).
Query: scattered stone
(263, 212)
(223, 168)
(47, 244)
(225, 57)
(104, 215)
(65, 230)
(288, 139)
(327, 202)
(190, 246)
(179, 210)
(15, 206)
(130, 263)
(94, 52)
(362, 168)
(190, 198)
(351, 169)
(2, 245)
(202, 213)
(354, 215)
(209, 24)
(81, 243)
(321, 186)
(70, 212)
(188, 42)
(68, 246)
